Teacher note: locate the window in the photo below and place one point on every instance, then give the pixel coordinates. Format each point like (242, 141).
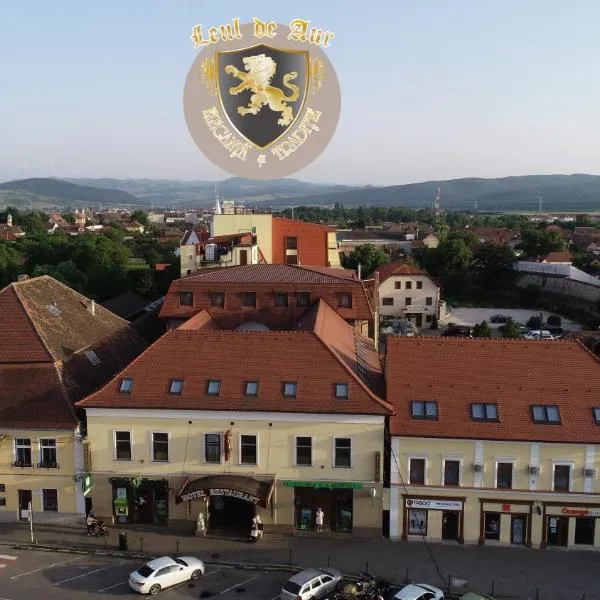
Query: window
(50, 500)
(424, 410)
(419, 285)
(597, 415)
(562, 478)
(291, 259)
(289, 389)
(213, 387)
(160, 447)
(387, 301)
(452, 473)
(48, 453)
(484, 412)
(123, 445)
(345, 300)
(504, 475)
(342, 452)
(416, 471)
(417, 522)
(408, 285)
(549, 414)
(251, 388)
(93, 358)
(397, 285)
(23, 452)
(249, 299)
(341, 390)
(491, 523)
(217, 299)
(248, 450)
(281, 299)
(126, 385)
(176, 386)
(429, 301)
(212, 448)
(304, 451)
(291, 243)
(407, 301)
(186, 298)
(303, 299)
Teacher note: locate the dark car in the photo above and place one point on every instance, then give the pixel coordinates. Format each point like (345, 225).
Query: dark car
(498, 319)
(458, 331)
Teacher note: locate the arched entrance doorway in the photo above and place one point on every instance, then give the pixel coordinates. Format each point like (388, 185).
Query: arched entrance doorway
(231, 500)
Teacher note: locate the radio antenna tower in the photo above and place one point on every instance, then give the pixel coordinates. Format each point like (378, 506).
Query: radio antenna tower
(436, 206)
(540, 202)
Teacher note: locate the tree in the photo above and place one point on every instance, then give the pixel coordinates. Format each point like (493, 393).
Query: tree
(554, 321)
(141, 216)
(65, 272)
(468, 237)
(492, 263)
(369, 257)
(511, 329)
(534, 322)
(482, 330)
(539, 242)
(452, 256)
(9, 264)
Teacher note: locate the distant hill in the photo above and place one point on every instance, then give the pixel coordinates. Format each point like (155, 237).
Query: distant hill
(46, 193)
(558, 193)
(174, 193)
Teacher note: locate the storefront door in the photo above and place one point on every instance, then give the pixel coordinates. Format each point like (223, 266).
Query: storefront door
(450, 525)
(557, 530)
(518, 526)
(24, 501)
(337, 506)
(584, 530)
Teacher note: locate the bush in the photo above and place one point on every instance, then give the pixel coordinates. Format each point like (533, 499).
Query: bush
(534, 323)
(554, 321)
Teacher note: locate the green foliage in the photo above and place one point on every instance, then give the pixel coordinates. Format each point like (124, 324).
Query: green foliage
(482, 330)
(539, 242)
(534, 322)
(493, 265)
(452, 256)
(368, 256)
(468, 237)
(511, 329)
(554, 321)
(9, 263)
(65, 272)
(141, 216)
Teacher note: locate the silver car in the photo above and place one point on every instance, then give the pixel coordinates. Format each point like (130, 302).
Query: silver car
(311, 584)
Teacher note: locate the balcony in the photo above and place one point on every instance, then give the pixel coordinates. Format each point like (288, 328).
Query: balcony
(47, 465)
(21, 464)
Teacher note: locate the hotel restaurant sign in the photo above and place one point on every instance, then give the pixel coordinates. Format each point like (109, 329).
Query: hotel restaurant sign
(195, 495)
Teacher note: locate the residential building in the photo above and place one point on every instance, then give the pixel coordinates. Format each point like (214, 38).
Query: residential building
(228, 424)
(56, 221)
(560, 258)
(494, 441)
(275, 296)
(281, 241)
(408, 292)
(57, 346)
(10, 232)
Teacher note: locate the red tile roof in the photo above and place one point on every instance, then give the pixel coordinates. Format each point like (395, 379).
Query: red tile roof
(316, 359)
(398, 267)
(225, 239)
(558, 257)
(514, 374)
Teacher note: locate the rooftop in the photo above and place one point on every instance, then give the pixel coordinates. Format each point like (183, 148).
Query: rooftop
(515, 375)
(398, 268)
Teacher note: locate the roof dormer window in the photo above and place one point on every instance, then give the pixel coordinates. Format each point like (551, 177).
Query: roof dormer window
(126, 385)
(176, 386)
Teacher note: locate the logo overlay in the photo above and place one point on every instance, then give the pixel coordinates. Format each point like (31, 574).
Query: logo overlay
(262, 99)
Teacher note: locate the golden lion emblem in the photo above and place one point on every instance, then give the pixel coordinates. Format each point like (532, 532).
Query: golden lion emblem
(260, 70)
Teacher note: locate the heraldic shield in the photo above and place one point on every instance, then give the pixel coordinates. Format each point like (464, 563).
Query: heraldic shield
(262, 90)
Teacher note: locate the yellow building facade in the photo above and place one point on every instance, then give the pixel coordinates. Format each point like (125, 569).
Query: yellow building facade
(259, 224)
(279, 465)
(491, 492)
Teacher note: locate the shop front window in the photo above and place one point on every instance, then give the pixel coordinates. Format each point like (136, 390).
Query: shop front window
(343, 520)
(492, 526)
(417, 522)
(584, 530)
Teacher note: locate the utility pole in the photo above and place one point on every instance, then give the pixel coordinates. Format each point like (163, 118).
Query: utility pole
(29, 508)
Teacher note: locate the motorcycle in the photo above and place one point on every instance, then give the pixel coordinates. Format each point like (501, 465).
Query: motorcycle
(100, 529)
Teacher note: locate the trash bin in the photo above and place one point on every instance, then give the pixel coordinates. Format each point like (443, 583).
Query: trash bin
(123, 540)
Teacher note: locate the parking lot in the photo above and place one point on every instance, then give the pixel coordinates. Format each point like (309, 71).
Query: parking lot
(34, 575)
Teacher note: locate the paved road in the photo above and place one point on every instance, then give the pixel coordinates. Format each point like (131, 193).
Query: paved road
(35, 575)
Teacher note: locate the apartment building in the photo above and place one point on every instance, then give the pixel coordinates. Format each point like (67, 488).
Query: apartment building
(494, 442)
(57, 346)
(229, 424)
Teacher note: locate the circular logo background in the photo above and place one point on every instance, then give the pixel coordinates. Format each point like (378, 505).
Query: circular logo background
(262, 108)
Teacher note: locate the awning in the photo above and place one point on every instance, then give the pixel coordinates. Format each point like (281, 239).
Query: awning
(234, 486)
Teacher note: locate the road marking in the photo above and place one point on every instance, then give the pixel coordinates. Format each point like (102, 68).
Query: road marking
(80, 576)
(47, 567)
(7, 557)
(110, 587)
(238, 585)
(210, 573)
(275, 597)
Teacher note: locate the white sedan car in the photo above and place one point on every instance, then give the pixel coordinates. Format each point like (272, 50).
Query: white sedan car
(165, 572)
(419, 591)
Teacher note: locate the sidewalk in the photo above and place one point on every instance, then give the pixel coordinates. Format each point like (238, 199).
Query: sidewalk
(518, 573)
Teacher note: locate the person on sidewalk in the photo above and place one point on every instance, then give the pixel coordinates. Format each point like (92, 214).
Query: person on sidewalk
(260, 527)
(319, 516)
(254, 530)
(91, 523)
(200, 526)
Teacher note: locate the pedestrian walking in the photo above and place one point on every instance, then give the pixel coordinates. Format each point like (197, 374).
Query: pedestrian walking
(90, 522)
(319, 516)
(260, 527)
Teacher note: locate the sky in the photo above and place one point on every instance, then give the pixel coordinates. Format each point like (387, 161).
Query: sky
(431, 89)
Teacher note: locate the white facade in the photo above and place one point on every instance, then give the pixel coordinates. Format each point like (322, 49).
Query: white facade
(415, 297)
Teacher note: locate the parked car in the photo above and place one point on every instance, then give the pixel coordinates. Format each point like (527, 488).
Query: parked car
(311, 583)
(419, 591)
(165, 572)
(536, 334)
(498, 319)
(458, 331)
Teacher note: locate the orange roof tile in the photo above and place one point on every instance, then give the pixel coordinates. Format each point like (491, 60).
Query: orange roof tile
(514, 374)
(398, 267)
(558, 257)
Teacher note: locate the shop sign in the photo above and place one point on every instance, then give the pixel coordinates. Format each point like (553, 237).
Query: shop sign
(434, 504)
(352, 485)
(581, 512)
(86, 484)
(220, 492)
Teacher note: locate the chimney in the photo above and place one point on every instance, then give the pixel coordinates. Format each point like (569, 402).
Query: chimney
(23, 277)
(92, 307)
(376, 311)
